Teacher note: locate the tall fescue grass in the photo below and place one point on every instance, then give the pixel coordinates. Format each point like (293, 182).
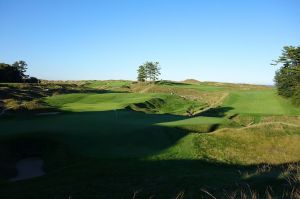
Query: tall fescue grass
(290, 190)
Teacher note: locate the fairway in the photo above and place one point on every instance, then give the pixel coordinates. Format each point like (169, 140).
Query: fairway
(96, 102)
(265, 102)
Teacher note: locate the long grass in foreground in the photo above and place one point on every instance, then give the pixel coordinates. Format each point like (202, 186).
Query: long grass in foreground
(290, 190)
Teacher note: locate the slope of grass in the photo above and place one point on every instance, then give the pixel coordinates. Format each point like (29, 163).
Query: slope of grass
(197, 86)
(168, 104)
(260, 103)
(213, 86)
(96, 102)
(269, 144)
(147, 102)
(109, 84)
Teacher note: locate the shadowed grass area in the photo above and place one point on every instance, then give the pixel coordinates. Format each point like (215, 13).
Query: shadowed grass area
(107, 133)
(91, 178)
(133, 134)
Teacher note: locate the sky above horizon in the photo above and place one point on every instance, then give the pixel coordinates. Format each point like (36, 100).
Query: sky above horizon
(216, 40)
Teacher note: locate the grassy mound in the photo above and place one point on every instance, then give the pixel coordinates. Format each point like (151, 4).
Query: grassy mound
(191, 81)
(264, 143)
(259, 144)
(199, 124)
(169, 104)
(149, 106)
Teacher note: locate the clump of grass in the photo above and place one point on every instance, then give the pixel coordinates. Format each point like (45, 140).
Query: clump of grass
(246, 120)
(167, 104)
(281, 119)
(11, 104)
(14, 106)
(289, 190)
(33, 105)
(263, 143)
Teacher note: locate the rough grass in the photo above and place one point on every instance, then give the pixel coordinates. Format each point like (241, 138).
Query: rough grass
(266, 143)
(214, 86)
(16, 106)
(20, 97)
(281, 119)
(209, 98)
(168, 104)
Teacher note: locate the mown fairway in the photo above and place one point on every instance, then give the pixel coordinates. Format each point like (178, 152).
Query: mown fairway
(139, 137)
(260, 103)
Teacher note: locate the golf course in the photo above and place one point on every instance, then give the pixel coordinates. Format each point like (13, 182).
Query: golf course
(149, 99)
(126, 139)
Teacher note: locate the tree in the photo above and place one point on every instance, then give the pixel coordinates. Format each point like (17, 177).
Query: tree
(142, 75)
(9, 73)
(153, 70)
(32, 80)
(21, 66)
(149, 70)
(15, 73)
(287, 78)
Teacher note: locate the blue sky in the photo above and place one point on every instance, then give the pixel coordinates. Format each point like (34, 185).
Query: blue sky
(215, 40)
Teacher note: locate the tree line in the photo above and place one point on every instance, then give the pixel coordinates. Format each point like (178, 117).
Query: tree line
(15, 73)
(287, 77)
(149, 71)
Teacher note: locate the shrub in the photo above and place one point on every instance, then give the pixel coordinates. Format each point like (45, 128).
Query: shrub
(32, 80)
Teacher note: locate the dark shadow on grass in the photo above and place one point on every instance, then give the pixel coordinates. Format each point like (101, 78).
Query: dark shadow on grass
(213, 127)
(120, 178)
(109, 150)
(119, 133)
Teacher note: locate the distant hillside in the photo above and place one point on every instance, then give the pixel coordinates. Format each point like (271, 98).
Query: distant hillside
(191, 81)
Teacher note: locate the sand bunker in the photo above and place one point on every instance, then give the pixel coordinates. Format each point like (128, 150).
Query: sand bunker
(29, 168)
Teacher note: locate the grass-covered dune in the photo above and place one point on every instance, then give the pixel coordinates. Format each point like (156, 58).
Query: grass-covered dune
(114, 139)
